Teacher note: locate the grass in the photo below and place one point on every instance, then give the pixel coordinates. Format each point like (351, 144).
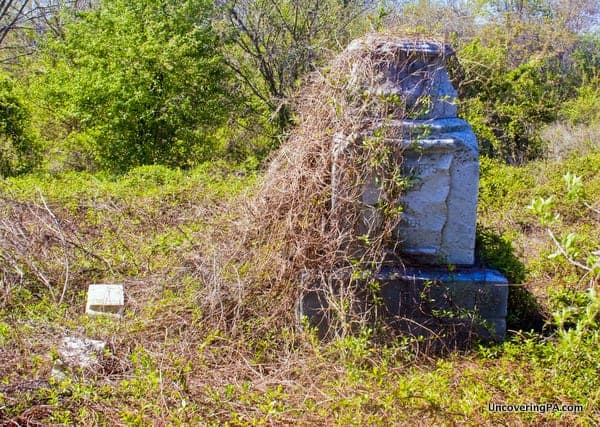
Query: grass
(175, 359)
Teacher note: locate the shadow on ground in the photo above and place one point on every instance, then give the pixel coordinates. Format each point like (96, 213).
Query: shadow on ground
(525, 313)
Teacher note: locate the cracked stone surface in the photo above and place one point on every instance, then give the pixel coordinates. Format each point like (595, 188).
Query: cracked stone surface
(76, 353)
(439, 152)
(439, 218)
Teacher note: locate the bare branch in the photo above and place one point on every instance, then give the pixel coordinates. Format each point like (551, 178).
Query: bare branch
(565, 254)
(14, 20)
(282, 40)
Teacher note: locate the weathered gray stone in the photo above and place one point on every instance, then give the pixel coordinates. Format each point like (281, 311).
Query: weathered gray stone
(105, 299)
(77, 354)
(418, 70)
(439, 151)
(438, 222)
(80, 352)
(57, 373)
(468, 302)
(312, 307)
(443, 293)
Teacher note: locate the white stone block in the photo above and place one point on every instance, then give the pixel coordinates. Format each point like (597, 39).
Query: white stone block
(105, 299)
(80, 352)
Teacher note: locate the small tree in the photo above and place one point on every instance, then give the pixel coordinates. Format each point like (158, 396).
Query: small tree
(272, 44)
(138, 82)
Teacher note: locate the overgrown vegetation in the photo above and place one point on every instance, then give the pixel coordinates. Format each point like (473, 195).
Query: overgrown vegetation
(131, 139)
(308, 214)
(175, 356)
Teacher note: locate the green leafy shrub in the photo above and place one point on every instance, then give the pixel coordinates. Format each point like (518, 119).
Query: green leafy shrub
(515, 73)
(497, 252)
(585, 108)
(135, 83)
(507, 102)
(570, 246)
(576, 312)
(19, 149)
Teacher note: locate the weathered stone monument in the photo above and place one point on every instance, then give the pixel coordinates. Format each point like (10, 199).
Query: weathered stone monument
(439, 151)
(439, 283)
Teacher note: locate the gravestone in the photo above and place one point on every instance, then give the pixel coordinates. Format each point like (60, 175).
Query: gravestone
(439, 151)
(436, 231)
(105, 299)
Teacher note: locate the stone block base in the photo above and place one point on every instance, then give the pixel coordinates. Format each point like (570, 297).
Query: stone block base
(455, 305)
(448, 296)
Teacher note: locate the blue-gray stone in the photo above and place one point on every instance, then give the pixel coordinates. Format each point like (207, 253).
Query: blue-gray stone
(477, 292)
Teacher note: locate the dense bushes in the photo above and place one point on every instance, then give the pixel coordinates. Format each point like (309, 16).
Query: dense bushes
(18, 146)
(124, 84)
(519, 64)
(505, 104)
(133, 83)
(585, 108)
(508, 96)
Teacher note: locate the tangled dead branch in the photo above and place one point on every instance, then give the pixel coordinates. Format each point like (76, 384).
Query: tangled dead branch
(325, 214)
(37, 247)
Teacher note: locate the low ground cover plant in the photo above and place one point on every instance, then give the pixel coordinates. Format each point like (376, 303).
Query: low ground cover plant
(178, 357)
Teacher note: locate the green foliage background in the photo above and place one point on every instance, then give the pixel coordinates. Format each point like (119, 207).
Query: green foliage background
(127, 137)
(132, 83)
(19, 147)
(123, 84)
(509, 91)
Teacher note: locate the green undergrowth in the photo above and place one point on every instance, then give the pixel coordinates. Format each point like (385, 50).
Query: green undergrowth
(505, 195)
(132, 225)
(74, 189)
(166, 364)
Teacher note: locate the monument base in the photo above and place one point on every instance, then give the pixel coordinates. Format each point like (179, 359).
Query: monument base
(455, 305)
(474, 297)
